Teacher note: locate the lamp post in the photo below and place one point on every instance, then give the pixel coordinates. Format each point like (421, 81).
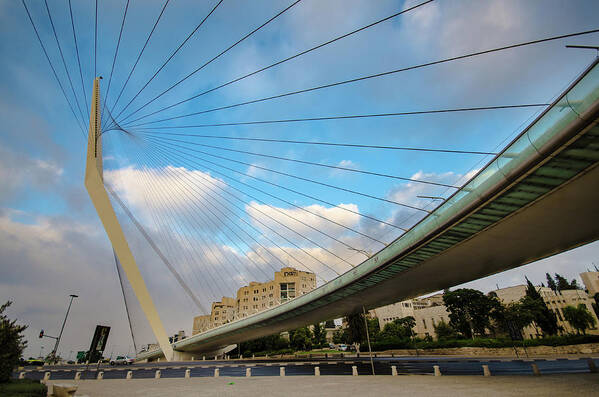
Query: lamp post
(53, 354)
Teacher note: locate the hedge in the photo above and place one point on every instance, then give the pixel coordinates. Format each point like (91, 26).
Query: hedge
(23, 388)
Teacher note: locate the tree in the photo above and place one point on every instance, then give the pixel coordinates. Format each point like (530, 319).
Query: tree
(264, 344)
(339, 337)
(551, 282)
(562, 283)
(300, 339)
(444, 331)
(579, 317)
(11, 344)
(319, 338)
(470, 310)
(596, 304)
(535, 305)
(356, 331)
(399, 328)
(513, 318)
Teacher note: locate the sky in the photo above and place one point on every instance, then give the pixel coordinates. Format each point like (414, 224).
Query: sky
(225, 212)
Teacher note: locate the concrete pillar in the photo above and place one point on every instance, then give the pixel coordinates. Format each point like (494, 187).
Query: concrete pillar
(215, 357)
(535, 369)
(316, 371)
(47, 376)
(592, 365)
(129, 375)
(216, 372)
(354, 370)
(157, 374)
(77, 375)
(253, 357)
(266, 356)
(158, 360)
(21, 375)
(241, 356)
(192, 358)
(437, 370)
(203, 358)
(393, 370)
(486, 371)
(282, 371)
(100, 375)
(248, 372)
(187, 373)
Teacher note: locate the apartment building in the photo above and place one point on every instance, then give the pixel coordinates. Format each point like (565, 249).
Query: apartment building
(288, 284)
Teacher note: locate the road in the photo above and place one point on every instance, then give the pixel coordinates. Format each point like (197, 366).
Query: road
(342, 366)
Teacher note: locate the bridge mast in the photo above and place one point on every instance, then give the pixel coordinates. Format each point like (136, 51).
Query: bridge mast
(94, 183)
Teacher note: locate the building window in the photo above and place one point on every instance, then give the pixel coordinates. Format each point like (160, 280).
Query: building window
(287, 291)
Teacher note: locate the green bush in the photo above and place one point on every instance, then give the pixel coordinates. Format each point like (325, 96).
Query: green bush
(23, 388)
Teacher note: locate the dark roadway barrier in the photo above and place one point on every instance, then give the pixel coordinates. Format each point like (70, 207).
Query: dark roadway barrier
(382, 366)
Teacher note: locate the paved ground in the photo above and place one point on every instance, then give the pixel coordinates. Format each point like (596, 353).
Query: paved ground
(412, 385)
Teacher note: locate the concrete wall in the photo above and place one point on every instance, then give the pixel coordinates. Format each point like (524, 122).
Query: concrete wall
(586, 348)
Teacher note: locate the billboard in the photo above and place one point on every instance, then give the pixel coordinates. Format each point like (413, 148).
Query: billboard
(99, 340)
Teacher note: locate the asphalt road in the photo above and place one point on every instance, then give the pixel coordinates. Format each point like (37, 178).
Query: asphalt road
(294, 367)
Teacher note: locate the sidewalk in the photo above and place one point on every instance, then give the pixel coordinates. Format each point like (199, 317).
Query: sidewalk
(302, 386)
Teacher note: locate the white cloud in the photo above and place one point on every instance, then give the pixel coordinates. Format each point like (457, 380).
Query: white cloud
(162, 190)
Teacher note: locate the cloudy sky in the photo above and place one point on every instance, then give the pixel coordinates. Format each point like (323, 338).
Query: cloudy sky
(225, 212)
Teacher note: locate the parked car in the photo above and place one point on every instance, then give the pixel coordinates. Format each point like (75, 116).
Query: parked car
(342, 347)
(122, 360)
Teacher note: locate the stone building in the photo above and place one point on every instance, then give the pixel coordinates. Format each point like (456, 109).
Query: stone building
(222, 312)
(200, 324)
(591, 282)
(288, 284)
(386, 314)
(427, 318)
(555, 301)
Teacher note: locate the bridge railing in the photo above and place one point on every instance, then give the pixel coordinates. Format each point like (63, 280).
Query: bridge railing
(527, 147)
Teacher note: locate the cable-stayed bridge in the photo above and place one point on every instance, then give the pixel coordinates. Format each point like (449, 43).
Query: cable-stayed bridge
(538, 197)
(208, 205)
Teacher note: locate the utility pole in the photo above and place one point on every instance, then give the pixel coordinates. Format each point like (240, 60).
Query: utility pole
(368, 339)
(53, 354)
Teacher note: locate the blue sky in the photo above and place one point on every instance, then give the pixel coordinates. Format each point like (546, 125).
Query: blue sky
(52, 242)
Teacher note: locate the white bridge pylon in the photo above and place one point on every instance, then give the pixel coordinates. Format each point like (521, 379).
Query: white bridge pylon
(94, 183)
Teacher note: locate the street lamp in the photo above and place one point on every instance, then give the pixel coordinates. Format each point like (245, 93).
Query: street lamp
(53, 354)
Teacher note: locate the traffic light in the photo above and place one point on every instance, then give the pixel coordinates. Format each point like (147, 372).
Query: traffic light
(41, 334)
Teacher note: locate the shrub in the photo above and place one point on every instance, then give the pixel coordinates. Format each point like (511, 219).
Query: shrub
(23, 388)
